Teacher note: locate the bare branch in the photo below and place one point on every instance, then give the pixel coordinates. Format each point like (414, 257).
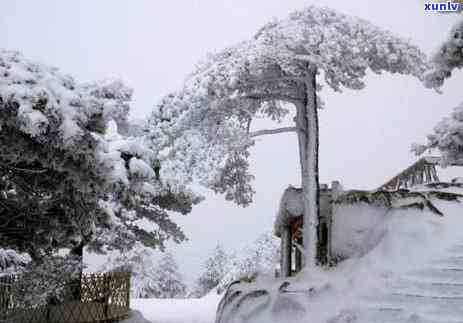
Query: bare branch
(272, 131)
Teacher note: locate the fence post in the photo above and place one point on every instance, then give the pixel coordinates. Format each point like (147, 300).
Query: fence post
(128, 276)
(105, 282)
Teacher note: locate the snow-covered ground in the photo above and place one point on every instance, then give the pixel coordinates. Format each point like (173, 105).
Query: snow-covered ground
(190, 310)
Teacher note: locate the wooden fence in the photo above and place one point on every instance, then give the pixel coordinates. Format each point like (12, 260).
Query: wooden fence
(104, 298)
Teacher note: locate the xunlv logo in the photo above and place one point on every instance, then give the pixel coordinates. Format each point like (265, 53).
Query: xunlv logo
(442, 6)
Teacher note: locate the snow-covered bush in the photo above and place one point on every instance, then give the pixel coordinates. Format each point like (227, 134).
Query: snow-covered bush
(447, 136)
(150, 279)
(214, 269)
(259, 258)
(11, 261)
(53, 281)
(448, 58)
(139, 261)
(167, 281)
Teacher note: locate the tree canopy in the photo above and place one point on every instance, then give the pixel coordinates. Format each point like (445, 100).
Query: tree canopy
(63, 179)
(447, 136)
(448, 57)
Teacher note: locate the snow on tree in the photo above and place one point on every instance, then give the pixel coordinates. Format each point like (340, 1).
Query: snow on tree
(167, 281)
(259, 258)
(64, 182)
(447, 136)
(448, 58)
(214, 269)
(49, 282)
(139, 261)
(11, 261)
(205, 127)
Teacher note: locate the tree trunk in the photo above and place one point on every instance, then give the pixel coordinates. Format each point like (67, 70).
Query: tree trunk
(307, 122)
(76, 288)
(286, 247)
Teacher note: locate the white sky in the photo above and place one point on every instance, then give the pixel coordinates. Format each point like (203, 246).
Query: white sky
(152, 45)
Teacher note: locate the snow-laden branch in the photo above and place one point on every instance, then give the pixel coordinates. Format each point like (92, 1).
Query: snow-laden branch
(272, 131)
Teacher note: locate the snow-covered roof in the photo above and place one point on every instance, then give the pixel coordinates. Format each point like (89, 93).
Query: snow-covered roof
(418, 197)
(291, 206)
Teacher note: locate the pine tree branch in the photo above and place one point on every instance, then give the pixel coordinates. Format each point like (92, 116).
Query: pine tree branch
(272, 131)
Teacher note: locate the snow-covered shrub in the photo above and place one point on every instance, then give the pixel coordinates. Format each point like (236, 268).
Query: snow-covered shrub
(214, 269)
(54, 280)
(447, 138)
(260, 258)
(167, 282)
(139, 261)
(11, 261)
(448, 58)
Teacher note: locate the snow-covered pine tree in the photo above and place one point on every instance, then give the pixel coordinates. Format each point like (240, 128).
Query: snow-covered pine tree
(207, 124)
(447, 136)
(139, 261)
(213, 270)
(48, 282)
(63, 182)
(448, 57)
(168, 282)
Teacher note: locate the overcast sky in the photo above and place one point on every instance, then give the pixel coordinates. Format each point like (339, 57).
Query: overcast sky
(152, 45)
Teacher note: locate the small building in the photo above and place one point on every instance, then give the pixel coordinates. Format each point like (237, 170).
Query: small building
(395, 193)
